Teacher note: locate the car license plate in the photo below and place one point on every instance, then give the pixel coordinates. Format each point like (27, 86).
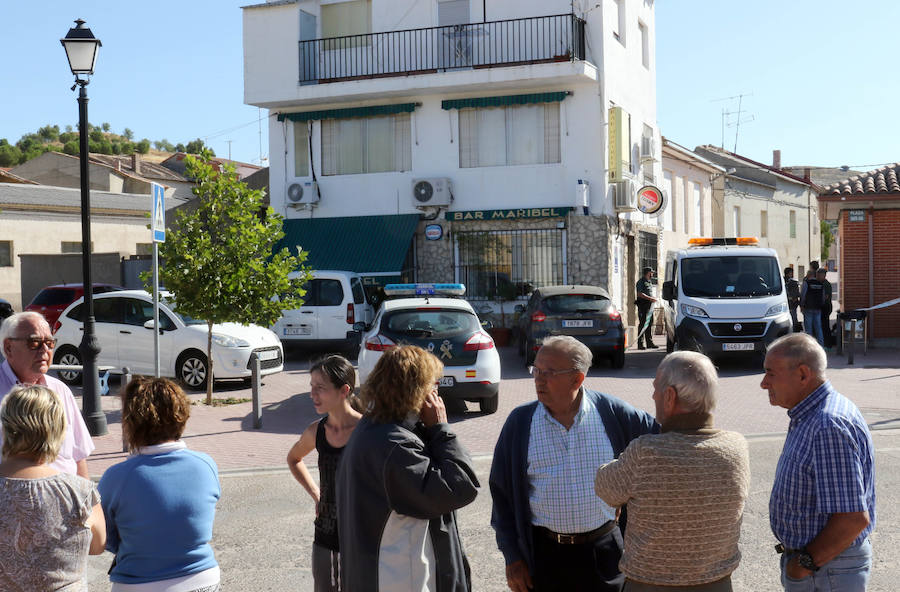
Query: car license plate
(297, 330)
(578, 323)
(738, 347)
(447, 381)
(269, 354)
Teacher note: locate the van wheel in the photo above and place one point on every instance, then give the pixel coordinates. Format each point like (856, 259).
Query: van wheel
(489, 405)
(670, 345)
(193, 369)
(68, 356)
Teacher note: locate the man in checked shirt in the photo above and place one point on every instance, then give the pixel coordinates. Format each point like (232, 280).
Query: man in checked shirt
(822, 507)
(554, 532)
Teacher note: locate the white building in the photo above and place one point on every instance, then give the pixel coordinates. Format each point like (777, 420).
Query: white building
(524, 120)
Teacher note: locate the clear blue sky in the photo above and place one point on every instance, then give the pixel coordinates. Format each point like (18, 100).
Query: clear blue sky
(818, 74)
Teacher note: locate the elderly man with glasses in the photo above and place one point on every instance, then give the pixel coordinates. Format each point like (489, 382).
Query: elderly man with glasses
(553, 531)
(28, 348)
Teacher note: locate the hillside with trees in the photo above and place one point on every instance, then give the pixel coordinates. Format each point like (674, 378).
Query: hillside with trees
(101, 140)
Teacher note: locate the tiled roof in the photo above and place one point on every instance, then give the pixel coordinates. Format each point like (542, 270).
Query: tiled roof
(880, 180)
(8, 177)
(45, 197)
(149, 170)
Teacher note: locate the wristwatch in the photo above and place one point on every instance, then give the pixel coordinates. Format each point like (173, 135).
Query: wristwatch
(805, 560)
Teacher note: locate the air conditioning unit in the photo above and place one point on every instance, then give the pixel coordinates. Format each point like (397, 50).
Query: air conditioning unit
(431, 192)
(647, 148)
(305, 192)
(624, 196)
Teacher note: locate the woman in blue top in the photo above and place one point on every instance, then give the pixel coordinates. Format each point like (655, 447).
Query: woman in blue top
(160, 503)
(332, 380)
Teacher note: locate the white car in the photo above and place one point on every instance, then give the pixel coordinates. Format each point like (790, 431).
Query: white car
(124, 328)
(448, 328)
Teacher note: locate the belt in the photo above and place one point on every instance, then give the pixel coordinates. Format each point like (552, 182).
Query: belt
(576, 539)
(779, 548)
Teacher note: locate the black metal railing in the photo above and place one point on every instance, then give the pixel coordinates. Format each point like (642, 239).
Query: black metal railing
(435, 49)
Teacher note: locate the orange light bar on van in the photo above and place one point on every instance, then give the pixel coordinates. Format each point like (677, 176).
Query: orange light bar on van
(747, 240)
(699, 242)
(739, 240)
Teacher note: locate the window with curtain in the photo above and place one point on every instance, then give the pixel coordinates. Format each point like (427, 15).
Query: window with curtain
(763, 224)
(793, 222)
(736, 220)
(698, 209)
(512, 135)
(645, 45)
(686, 210)
(366, 145)
(6, 252)
(301, 149)
(346, 18)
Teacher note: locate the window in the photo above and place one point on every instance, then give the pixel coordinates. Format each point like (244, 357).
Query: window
(686, 210)
(509, 263)
(668, 217)
(736, 220)
(328, 293)
(143, 248)
(645, 45)
(647, 249)
(698, 209)
(619, 24)
(359, 293)
(73, 247)
(6, 254)
(347, 18)
(793, 223)
(763, 224)
(301, 149)
(514, 135)
(366, 145)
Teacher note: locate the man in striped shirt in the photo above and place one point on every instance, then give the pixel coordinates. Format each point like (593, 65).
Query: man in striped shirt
(822, 507)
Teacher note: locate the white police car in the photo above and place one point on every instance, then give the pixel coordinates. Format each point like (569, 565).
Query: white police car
(428, 315)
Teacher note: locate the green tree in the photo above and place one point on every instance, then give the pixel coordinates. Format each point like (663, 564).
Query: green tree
(143, 146)
(129, 135)
(72, 148)
(49, 133)
(179, 147)
(219, 260)
(827, 238)
(164, 145)
(197, 146)
(69, 129)
(105, 127)
(9, 155)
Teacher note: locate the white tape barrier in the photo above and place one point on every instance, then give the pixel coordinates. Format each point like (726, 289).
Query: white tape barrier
(883, 304)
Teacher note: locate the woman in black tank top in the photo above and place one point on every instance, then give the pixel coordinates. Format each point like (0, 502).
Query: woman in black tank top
(332, 381)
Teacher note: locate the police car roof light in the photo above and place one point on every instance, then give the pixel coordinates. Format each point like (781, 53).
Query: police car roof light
(724, 241)
(424, 289)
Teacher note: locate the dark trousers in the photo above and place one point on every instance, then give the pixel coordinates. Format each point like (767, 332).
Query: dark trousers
(591, 567)
(826, 327)
(643, 311)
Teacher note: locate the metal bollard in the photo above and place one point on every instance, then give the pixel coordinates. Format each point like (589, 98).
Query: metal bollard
(126, 378)
(254, 380)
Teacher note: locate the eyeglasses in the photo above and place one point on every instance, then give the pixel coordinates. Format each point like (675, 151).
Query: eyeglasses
(537, 372)
(35, 343)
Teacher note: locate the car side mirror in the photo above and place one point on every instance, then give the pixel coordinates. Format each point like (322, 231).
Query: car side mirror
(519, 308)
(487, 325)
(668, 290)
(360, 326)
(149, 324)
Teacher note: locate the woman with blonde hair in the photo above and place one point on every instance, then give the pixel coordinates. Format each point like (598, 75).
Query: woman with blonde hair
(51, 520)
(402, 476)
(332, 380)
(160, 503)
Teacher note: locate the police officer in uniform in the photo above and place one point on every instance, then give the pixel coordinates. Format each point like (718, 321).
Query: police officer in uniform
(793, 296)
(644, 302)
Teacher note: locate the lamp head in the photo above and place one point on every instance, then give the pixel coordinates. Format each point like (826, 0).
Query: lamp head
(81, 48)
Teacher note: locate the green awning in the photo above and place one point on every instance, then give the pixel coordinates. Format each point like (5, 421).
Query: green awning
(368, 245)
(370, 111)
(503, 101)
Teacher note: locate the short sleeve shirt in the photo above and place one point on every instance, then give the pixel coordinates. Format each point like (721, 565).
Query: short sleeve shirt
(644, 286)
(77, 445)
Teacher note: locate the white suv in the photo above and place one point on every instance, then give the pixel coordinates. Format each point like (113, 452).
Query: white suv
(124, 328)
(334, 301)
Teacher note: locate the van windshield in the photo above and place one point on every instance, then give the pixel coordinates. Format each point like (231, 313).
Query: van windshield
(736, 276)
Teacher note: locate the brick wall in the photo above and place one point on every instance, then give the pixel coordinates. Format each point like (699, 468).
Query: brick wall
(854, 271)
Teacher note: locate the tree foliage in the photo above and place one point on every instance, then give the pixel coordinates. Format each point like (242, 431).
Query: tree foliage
(219, 260)
(827, 238)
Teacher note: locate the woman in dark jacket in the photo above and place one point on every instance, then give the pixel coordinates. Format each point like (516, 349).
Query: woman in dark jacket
(402, 476)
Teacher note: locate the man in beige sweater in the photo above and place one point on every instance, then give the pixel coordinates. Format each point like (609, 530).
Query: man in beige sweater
(685, 488)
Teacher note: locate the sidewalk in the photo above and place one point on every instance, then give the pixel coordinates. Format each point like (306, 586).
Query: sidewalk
(226, 433)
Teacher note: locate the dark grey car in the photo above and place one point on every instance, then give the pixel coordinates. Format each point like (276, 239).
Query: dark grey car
(584, 312)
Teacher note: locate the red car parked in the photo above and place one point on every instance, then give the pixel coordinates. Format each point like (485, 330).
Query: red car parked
(52, 300)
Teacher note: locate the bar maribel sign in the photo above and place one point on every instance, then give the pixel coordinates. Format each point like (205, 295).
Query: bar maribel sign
(514, 214)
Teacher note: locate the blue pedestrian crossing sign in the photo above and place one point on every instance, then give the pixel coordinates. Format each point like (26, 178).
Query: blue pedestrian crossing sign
(158, 214)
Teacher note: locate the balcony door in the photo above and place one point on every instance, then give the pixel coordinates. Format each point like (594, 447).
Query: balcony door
(455, 34)
(309, 52)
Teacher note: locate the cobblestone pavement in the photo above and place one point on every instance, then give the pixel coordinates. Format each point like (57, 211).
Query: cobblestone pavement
(227, 434)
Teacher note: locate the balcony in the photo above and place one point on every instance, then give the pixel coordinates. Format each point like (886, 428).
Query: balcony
(493, 44)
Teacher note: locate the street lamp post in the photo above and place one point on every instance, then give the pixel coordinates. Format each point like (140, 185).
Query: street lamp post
(81, 48)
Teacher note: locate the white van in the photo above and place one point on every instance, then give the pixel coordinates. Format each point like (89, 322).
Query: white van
(334, 300)
(724, 295)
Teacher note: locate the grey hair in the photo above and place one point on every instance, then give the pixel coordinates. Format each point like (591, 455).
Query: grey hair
(803, 349)
(11, 323)
(693, 377)
(579, 353)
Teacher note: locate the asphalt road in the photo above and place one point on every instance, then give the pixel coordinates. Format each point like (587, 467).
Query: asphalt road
(263, 530)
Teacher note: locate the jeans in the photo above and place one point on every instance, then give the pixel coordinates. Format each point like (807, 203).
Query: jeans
(812, 322)
(848, 572)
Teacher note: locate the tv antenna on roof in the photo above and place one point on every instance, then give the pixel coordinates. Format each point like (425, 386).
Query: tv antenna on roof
(737, 120)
